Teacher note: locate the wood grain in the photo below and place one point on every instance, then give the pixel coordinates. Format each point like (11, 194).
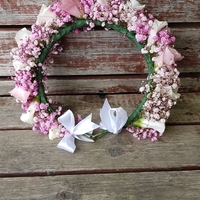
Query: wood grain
(145, 186)
(100, 85)
(25, 153)
(22, 12)
(104, 52)
(186, 111)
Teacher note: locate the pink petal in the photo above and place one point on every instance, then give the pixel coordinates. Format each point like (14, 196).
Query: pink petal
(71, 6)
(20, 94)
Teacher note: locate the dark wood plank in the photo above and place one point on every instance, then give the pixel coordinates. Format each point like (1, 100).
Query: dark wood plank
(23, 12)
(141, 186)
(25, 153)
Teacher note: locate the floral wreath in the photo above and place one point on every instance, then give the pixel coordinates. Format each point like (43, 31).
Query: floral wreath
(36, 48)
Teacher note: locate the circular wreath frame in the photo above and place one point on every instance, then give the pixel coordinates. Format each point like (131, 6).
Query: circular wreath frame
(80, 23)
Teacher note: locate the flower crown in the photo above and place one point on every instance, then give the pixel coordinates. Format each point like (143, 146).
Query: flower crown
(36, 48)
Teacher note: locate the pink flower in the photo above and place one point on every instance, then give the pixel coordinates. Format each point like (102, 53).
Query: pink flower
(20, 94)
(168, 57)
(73, 7)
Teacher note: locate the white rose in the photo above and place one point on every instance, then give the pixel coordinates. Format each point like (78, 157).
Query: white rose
(45, 15)
(52, 132)
(136, 5)
(19, 65)
(102, 2)
(28, 116)
(21, 35)
(157, 26)
(172, 92)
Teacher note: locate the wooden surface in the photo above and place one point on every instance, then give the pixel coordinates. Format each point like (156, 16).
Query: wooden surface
(93, 66)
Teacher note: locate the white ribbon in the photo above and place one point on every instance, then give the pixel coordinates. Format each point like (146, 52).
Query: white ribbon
(84, 126)
(112, 119)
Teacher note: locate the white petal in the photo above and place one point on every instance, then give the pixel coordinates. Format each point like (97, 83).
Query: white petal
(67, 143)
(45, 15)
(19, 65)
(157, 26)
(52, 132)
(21, 35)
(136, 5)
(156, 125)
(28, 116)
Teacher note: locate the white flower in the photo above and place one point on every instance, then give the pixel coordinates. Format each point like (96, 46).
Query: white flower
(19, 65)
(157, 26)
(45, 15)
(102, 2)
(112, 119)
(145, 123)
(172, 92)
(53, 132)
(21, 35)
(136, 5)
(78, 131)
(28, 116)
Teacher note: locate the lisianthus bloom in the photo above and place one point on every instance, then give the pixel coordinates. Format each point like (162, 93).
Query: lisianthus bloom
(21, 35)
(145, 123)
(157, 26)
(20, 94)
(168, 57)
(45, 15)
(28, 116)
(112, 119)
(73, 7)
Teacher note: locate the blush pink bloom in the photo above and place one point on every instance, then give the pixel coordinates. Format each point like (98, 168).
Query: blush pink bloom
(20, 94)
(168, 57)
(73, 7)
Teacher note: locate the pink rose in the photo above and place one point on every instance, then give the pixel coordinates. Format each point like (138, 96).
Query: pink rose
(73, 7)
(168, 57)
(20, 94)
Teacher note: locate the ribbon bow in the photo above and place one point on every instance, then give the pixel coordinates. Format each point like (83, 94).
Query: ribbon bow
(112, 119)
(78, 131)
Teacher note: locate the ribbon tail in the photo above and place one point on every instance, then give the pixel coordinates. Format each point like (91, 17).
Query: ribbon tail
(67, 143)
(83, 138)
(85, 126)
